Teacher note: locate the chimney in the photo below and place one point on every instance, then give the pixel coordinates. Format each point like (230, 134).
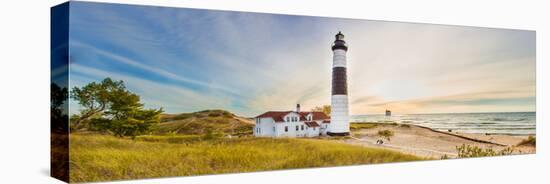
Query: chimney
(297, 107)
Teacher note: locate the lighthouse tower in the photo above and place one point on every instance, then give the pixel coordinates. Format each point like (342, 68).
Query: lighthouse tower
(339, 119)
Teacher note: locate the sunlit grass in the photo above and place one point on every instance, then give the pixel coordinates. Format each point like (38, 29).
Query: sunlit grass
(357, 126)
(103, 157)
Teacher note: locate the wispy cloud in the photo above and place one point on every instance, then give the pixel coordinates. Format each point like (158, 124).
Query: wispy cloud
(187, 60)
(140, 65)
(154, 94)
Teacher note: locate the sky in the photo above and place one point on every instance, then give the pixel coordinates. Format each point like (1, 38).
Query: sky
(187, 60)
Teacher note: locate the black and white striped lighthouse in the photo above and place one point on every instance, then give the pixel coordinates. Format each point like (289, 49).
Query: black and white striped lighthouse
(339, 119)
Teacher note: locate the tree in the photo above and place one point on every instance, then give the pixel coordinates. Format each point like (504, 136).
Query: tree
(96, 97)
(325, 109)
(131, 122)
(58, 117)
(112, 108)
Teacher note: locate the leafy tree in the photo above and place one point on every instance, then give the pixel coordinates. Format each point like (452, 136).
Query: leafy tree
(96, 97)
(129, 123)
(59, 118)
(325, 109)
(112, 108)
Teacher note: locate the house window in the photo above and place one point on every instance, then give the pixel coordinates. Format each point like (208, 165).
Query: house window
(302, 127)
(297, 128)
(273, 129)
(286, 128)
(313, 128)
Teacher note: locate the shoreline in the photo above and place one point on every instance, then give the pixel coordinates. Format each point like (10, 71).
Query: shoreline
(430, 143)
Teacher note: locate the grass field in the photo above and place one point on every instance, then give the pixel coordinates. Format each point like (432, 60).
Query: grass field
(101, 157)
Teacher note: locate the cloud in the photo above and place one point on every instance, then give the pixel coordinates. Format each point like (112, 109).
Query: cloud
(491, 101)
(140, 65)
(172, 98)
(258, 62)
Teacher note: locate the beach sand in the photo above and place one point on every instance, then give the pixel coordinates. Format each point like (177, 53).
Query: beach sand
(425, 142)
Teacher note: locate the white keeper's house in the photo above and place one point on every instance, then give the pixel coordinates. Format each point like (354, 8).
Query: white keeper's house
(291, 124)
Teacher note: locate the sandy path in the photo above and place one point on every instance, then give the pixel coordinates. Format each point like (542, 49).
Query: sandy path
(429, 143)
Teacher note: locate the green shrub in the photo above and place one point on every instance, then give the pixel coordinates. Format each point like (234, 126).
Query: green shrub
(467, 151)
(212, 135)
(530, 141)
(385, 133)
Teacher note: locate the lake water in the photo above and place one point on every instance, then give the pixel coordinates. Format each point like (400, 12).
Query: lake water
(510, 123)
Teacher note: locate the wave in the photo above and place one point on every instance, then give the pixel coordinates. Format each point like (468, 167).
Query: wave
(503, 119)
(494, 123)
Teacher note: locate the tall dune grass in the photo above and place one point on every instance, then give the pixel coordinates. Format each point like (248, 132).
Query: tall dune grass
(102, 157)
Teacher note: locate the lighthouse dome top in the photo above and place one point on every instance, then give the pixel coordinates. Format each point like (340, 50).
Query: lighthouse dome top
(339, 43)
(339, 36)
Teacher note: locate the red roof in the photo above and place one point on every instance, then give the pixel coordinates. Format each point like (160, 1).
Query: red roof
(278, 115)
(312, 124)
(326, 121)
(319, 116)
